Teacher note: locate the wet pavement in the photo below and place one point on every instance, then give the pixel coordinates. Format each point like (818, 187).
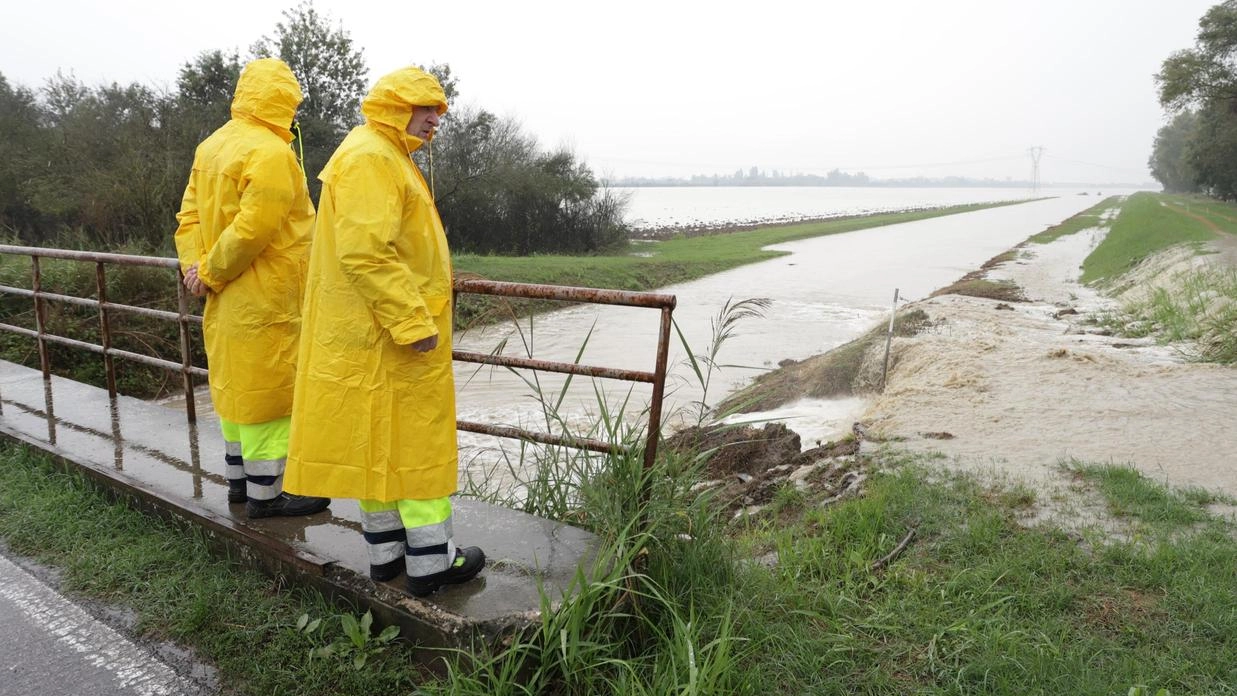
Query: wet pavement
(149, 455)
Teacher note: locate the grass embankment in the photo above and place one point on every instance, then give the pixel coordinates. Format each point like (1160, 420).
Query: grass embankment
(650, 265)
(1147, 223)
(1195, 307)
(975, 603)
(1094, 216)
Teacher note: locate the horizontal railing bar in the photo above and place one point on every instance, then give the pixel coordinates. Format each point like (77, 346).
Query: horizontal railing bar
(566, 293)
(91, 302)
(93, 256)
(543, 438)
(95, 348)
(551, 366)
(474, 286)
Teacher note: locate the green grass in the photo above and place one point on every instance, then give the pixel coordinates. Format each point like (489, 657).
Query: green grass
(1199, 307)
(1131, 495)
(1222, 214)
(1091, 217)
(976, 604)
(1146, 224)
(239, 620)
(1195, 308)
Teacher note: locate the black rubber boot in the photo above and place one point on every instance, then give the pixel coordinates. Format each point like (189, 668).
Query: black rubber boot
(467, 563)
(286, 505)
(236, 491)
(386, 571)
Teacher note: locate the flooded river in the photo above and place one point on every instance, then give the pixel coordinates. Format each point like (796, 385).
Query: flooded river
(826, 291)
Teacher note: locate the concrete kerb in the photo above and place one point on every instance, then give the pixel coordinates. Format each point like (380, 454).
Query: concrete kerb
(147, 456)
(421, 622)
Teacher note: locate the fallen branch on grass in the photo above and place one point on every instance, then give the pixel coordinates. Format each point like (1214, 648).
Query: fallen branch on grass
(897, 550)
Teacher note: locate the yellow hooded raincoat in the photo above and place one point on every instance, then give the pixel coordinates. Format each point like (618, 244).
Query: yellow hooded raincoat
(373, 418)
(246, 219)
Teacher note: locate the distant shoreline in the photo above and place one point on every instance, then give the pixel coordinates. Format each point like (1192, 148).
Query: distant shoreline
(770, 183)
(731, 226)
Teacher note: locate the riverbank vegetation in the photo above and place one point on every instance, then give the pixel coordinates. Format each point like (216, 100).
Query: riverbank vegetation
(1146, 224)
(927, 582)
(1194, 306)
(104, 167)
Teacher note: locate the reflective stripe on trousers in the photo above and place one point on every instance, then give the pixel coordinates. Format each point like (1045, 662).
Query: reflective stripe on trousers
(420, 530)
(234, 464)
(264, 452)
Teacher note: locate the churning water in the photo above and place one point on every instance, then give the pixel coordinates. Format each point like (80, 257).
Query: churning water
(826, 291)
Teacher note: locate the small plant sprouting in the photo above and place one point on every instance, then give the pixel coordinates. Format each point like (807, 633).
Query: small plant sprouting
(357, 644)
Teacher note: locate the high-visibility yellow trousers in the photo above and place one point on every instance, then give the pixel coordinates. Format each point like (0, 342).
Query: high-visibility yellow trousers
(257, 452)
(416, 533)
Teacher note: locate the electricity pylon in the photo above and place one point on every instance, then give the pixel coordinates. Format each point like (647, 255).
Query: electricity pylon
(1036, 153)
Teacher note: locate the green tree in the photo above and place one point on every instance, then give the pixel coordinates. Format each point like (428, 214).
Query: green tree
(20, 148)
(498, 192)
(1170, 161)
(1203, 78)
(332, 73)
(1213, 152)
(204, 89)
(106, 172)
(1208, 72)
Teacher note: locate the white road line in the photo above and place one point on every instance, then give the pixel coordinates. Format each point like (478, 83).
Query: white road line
(134, 669)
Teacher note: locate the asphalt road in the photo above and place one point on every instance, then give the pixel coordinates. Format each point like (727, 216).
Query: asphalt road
(50, 646)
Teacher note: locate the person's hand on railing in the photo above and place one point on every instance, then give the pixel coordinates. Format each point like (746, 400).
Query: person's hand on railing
(193, 283)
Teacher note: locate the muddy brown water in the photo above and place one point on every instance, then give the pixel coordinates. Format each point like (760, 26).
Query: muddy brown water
(826, 291)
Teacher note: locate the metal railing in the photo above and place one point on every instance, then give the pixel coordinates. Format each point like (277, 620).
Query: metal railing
(182, 316)
(656, 378)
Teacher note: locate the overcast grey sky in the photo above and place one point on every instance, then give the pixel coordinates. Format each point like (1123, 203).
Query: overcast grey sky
(671, 88)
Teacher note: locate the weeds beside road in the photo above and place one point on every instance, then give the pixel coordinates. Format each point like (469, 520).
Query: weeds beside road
(977, 603)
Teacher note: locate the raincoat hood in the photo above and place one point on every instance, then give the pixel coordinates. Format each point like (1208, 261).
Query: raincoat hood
(389, 104)
(267, 91)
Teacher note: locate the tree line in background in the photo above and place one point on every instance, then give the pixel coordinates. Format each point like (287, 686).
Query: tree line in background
(1197, 150)
(104, 167)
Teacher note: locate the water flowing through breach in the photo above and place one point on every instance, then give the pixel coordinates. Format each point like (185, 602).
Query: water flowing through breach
(827, 291)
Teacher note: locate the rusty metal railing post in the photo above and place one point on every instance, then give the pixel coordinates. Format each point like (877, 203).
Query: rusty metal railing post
(659, 387)
(109, 365)
(182, 309)
(36, 285)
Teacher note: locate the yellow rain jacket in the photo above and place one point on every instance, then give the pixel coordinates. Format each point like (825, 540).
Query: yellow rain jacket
(246, 219)
(372, 418)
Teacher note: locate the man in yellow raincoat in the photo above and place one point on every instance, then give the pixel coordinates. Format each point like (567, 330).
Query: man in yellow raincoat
(374, 411)
(243, 242)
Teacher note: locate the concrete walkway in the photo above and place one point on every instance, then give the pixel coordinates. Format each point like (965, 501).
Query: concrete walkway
(148, 454)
